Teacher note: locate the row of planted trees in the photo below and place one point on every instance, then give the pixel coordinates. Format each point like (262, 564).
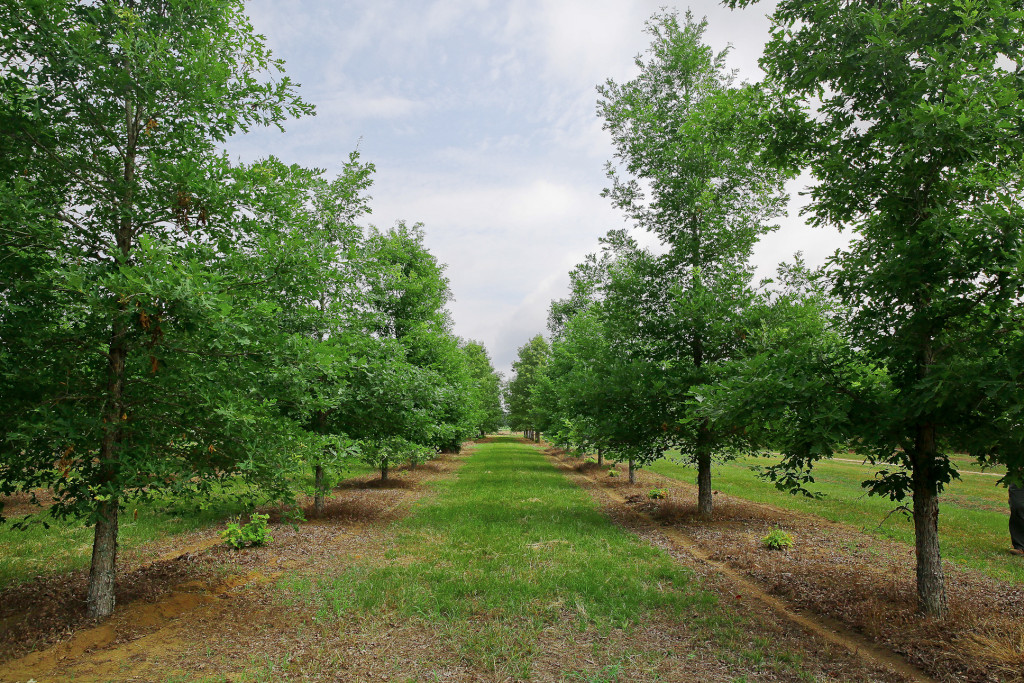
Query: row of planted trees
(172, 321)
(906, 346)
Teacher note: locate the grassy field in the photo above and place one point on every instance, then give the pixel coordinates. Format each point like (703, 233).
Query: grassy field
(510, 550)
(67, 545)
(973, 511)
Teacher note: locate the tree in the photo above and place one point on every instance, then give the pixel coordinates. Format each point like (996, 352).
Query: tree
(682, 128)
(145, 368)
(529, 367)
(908, 114)
(485, 399)
(413, 395)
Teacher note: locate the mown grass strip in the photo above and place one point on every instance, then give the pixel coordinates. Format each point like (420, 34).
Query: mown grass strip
(972, 522)
(508, 548)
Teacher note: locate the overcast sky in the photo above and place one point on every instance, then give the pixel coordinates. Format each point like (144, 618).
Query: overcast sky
(480, 118)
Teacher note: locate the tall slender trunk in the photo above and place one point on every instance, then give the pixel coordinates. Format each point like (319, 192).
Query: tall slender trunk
(705, 500)
(536, 437)
(600, 457)
(102, 571)
(384, 469)
(632, 471)
(931, 582)
(318, 489)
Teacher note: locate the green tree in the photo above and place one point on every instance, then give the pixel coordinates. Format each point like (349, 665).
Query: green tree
(909, 116)
(485, 399)
(692, 175)
(529, 368)
(144, 366)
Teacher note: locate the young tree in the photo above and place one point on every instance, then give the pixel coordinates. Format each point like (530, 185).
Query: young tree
(908, 114)
(143, 367)
(682, 129)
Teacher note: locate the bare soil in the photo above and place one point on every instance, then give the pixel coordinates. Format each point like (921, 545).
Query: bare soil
(842, 578)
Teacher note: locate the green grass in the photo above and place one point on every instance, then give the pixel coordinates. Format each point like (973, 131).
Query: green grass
(506, 549)
(973, 512)
(67, 545)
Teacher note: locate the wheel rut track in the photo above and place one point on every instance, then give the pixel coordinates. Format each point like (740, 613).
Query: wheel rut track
(816, 625)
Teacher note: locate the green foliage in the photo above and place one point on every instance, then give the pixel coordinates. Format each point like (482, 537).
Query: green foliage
(777, 539)
(657, 494)
(521, 391)
(908, 115)
(612, 472)
(205, 322)
(254, 533)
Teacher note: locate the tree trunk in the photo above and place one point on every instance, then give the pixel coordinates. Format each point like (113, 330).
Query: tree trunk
(632, 471)
(100, 598)
(384, 470)
(705, 500)
(102, 572)
(536, 437)
(931, 583)
(318, 493)
(600, 457)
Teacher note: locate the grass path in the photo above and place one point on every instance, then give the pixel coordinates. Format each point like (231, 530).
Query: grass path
(524, 578)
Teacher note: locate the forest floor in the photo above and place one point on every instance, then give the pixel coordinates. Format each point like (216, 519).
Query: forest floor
(508, 563)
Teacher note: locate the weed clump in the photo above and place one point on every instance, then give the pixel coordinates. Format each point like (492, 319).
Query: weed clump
(255, 533)
(777, 539)
(657, 494)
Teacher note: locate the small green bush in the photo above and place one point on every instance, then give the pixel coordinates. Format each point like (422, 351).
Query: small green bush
(613, 472)
(777, 539)
(589, 461)
(657, 494)
(254, 533)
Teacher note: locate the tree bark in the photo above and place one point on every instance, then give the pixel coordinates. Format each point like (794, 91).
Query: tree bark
(705, 499)
(318, 493)
(632, 471)
(100, 597)
(931, 582)
(384, 470)
(102, 572)
(600, 457)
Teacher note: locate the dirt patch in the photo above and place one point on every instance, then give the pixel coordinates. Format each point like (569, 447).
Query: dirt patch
(839, 573)
(26, 503)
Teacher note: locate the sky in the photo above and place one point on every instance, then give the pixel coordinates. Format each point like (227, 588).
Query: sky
(480, 118)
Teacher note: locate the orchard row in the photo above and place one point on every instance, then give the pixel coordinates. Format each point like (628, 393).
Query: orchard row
(172, 321)
(904, 347)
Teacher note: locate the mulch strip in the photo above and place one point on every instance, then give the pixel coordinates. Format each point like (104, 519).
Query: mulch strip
(51, 609)
(841, 573)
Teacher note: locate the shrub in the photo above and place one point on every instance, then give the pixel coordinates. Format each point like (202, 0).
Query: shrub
(254, 533)
(657, 494)
(589, 461)
(777, 539)
(613, 472)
